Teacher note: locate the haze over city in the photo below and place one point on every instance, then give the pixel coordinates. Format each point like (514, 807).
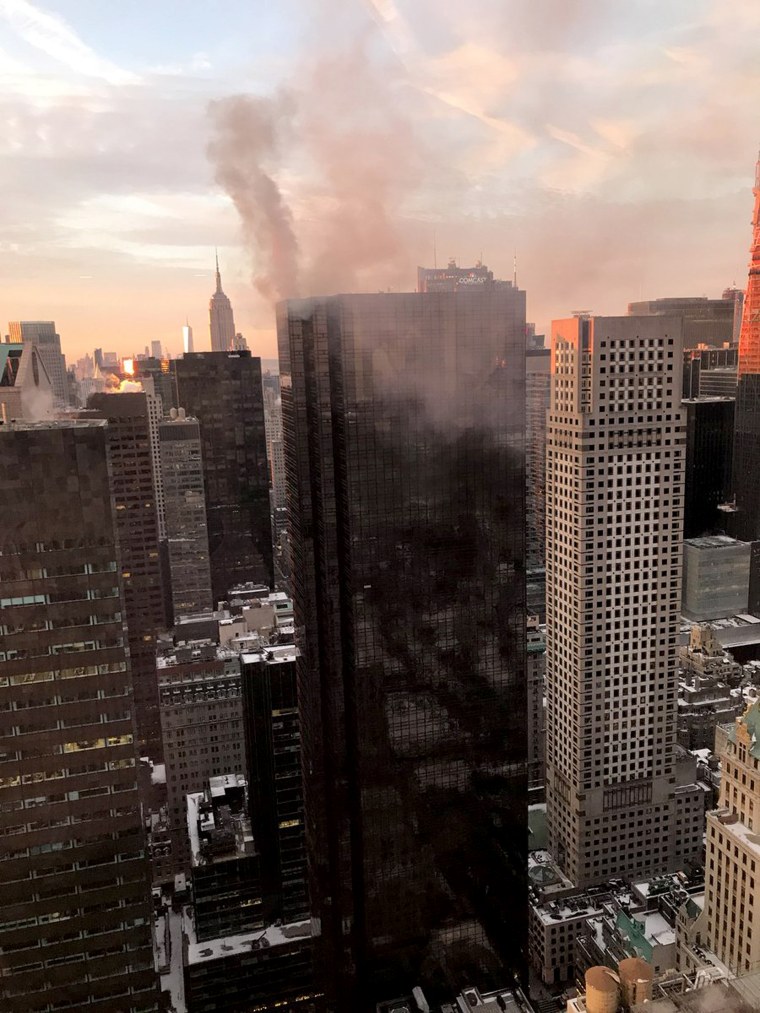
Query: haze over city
(334, 147)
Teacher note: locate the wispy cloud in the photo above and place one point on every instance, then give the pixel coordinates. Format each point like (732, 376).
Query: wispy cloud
(50, 34)
(611, 144)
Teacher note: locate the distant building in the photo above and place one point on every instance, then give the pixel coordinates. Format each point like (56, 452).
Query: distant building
(273, 748)
(709, 447)
(705, 321)
(132, 439)
(157, 379)
(705, 697)
(225, 864)
(732, 908)
(186, 529)
(710, 372)
(187, 339)
(744, 521)
(25, 389)
(715, 577)
(223, 391)
(453, 278)
(221, 318)
(75, 890)
(44, 337)
(275, 447)
(274, 964)
(202, 728)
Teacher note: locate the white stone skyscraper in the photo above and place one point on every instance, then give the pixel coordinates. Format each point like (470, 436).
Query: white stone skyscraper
(614, 518)
(187, 339)
(221, 318)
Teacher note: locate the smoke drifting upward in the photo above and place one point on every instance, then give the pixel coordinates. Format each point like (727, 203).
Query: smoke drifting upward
(343, 122)
(116, 386)
(370, 161)
(246, 134)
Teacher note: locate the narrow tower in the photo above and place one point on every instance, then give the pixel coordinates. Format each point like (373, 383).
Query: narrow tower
(744, 523)
(614, 522)
(221, 318)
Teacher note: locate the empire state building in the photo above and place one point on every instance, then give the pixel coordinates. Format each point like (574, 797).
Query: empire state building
(221, 318)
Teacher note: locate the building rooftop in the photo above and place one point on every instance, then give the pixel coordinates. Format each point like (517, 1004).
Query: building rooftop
(732, 825)
(193, 652)
(217, 825)
(22, 425)
(271, 654)
(713, 542)
(227, 946)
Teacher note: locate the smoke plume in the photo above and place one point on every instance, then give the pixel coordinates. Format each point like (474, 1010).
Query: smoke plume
(246, 135)
(344, 126)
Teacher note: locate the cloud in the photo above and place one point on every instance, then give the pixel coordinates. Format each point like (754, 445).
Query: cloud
(50, 34)
(612, 145)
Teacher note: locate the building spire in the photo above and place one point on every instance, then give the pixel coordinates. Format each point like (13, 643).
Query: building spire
(218, 275)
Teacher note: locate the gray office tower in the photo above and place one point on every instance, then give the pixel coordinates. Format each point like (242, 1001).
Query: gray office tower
(185, 513)
(614, 524)
(223, 391)
(43, 335)
(403, 420)
(74, 887)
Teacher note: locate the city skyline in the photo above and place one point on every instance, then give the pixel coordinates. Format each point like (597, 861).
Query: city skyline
(604, 131)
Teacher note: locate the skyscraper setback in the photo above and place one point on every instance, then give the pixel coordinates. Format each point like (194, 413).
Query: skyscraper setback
(221, 319)
(403, 419)
(74, 890)
(614, 518)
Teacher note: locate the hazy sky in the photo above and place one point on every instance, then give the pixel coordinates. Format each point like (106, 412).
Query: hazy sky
(328, 145)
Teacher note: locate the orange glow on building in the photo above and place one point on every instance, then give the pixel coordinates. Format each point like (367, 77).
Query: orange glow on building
(749, 338)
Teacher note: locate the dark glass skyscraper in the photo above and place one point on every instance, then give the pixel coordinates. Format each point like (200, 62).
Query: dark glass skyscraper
(223, 391)
(275, 792)
(403, 418)
(709, 442)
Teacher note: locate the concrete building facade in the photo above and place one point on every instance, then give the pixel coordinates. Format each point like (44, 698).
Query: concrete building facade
(202, 728)
(615, 473)
(132, 463)
(74, 879)
(732, 891)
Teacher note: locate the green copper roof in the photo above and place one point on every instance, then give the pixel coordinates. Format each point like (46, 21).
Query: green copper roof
(751, 721)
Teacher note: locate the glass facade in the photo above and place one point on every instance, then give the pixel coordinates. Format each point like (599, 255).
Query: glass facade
(403, 419)
(223, 391)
